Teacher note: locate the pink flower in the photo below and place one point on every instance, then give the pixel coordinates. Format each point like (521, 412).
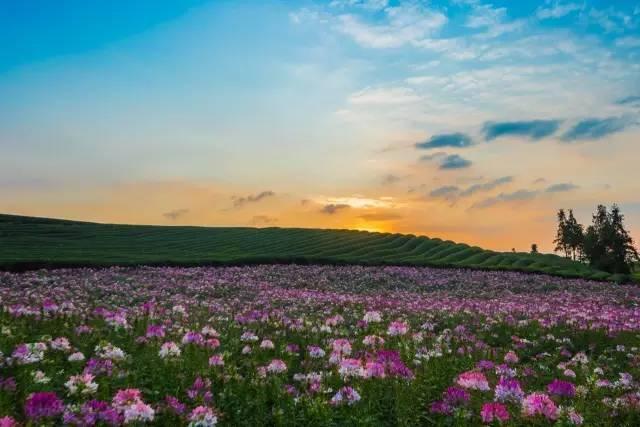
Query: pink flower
(494, 411)
(473, 380)
(346, 395)
(341, 346)
(351, 368)
(540, 404)
(511, 357)
(8, 422)
(203, 416)
(374, 370)
(126, 397)
(397, 328)
(138, 412)
(276, 366)
(216, 360)
(509, 390)
(315, 352)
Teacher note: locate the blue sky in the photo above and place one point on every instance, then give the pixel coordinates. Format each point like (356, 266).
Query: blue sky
(170, 112)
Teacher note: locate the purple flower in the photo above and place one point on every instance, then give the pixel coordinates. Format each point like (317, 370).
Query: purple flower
(509, 390)
(561, 388)
(456, 396)
(43, 404)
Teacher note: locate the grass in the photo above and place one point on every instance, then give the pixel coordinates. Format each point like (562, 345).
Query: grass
(29, 242)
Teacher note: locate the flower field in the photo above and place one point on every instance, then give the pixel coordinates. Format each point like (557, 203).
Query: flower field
(316, 346)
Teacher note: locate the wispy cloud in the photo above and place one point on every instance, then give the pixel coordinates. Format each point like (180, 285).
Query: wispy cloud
(447, 192)
(596, 128)
(372, 96)
(520, 195)
(454, 161)
(561, 188)
(390, 179)
(629, 100)
(263, 220)
(487, 186)
(333, 208)
(524, 195)
(554, 9)
(532, 129)
(380, 216)
(252, 198)
(458, 140)
(404, 24)
(175, 214)
(447, 161)
(454, 193)
(628, 42)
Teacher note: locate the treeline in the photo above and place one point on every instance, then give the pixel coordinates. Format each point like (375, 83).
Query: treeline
(605, 244)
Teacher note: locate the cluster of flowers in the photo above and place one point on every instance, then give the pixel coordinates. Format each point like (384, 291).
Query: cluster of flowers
(270, 344)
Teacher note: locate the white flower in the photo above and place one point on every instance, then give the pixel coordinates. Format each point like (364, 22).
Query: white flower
(372, 317)
(267, 345)
(110, 351)
(40, 377)
(61, 344)
(138, 412)
(82, 384)
(76, 357)
(169, 350)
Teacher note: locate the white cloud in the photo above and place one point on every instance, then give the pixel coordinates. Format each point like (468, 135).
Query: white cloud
(405, 24)
(628, 42)
(384, 96)
(556, 9)
(612, 20)
(365, 4)
(494, 20)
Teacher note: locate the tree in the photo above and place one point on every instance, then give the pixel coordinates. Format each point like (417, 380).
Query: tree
(561, 234)
(534, 248)
(574, 236)
(607, 245)
(570, 235)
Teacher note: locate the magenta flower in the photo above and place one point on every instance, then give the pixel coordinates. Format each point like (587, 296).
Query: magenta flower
(43, 404)
(561, 388)
(494, 411)
(8, 422)
(540, 404)
(455, 396)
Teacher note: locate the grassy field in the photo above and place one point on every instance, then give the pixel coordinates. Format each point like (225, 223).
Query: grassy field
(28, 242)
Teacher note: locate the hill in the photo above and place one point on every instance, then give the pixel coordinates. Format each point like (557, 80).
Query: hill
(29, 242)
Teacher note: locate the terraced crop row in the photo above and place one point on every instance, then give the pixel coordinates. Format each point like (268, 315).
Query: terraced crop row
(27, 242)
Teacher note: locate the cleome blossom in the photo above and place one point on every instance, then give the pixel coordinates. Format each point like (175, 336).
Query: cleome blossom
(473, 380)
(346, 395)
(397, 328)
(494, 412)
(540, 404)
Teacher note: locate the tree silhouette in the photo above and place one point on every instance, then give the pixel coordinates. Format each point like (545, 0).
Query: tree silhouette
(574, 236)
(561, 240)
(607, 244)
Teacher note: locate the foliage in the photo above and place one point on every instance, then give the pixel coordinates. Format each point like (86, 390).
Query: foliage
(606, 244)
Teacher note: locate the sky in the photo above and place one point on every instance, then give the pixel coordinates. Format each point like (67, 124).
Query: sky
(466, 120)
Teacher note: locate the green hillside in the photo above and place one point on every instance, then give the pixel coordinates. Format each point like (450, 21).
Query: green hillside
(27, 242)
